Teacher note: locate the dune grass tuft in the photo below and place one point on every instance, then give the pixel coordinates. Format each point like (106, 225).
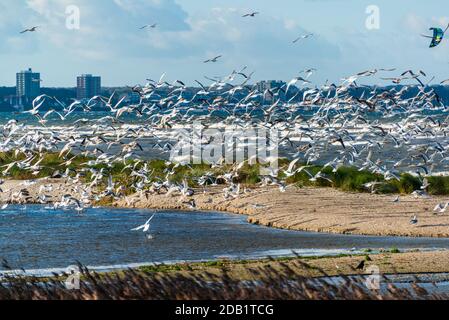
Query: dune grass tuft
(345, 178)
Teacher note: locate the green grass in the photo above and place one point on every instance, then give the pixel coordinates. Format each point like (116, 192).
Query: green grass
(345, 178)
(439, 185)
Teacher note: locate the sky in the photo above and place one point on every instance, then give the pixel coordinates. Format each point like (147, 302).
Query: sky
(109, 41)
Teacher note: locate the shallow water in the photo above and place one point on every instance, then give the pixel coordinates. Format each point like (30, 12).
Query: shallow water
(38, 238)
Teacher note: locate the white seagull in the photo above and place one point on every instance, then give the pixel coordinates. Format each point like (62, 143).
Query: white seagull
(252, 14)
(144, 227)
(303, 37)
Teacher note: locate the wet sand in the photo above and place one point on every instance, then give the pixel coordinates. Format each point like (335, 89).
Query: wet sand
(317, 209)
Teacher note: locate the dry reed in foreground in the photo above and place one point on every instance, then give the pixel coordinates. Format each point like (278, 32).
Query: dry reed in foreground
(268, 284)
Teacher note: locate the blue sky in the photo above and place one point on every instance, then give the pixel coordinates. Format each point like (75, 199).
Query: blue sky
(109, 42)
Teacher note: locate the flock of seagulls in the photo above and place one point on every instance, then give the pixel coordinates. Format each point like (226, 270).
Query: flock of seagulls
(386, 131)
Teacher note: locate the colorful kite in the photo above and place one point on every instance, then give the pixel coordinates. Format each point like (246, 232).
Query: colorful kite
(438, 35)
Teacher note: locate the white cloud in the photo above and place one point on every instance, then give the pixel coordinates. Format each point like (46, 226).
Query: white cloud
(105, 25)
(415, 22)
(110, 36)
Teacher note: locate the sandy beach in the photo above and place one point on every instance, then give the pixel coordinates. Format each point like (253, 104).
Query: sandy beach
(53, 189)
(317, 210)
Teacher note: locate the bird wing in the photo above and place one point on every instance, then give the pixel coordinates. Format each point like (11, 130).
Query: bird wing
(292, 165)
(149, 220)
(138, 228)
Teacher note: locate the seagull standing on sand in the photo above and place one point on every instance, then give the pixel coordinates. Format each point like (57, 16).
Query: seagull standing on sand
(441, 207)
(191, 204)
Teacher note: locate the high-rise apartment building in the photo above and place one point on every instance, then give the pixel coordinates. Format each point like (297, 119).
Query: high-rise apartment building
(28, 84)
(88, 86)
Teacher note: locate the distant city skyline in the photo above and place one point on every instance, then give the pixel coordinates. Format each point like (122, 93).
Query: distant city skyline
(188, 32)
(28, 84)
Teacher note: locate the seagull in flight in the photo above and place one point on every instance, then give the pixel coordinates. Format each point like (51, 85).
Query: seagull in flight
(33, 29)
(152, 26)
(144, 227)
(252, 14)
(303, 37)
(215, 59)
